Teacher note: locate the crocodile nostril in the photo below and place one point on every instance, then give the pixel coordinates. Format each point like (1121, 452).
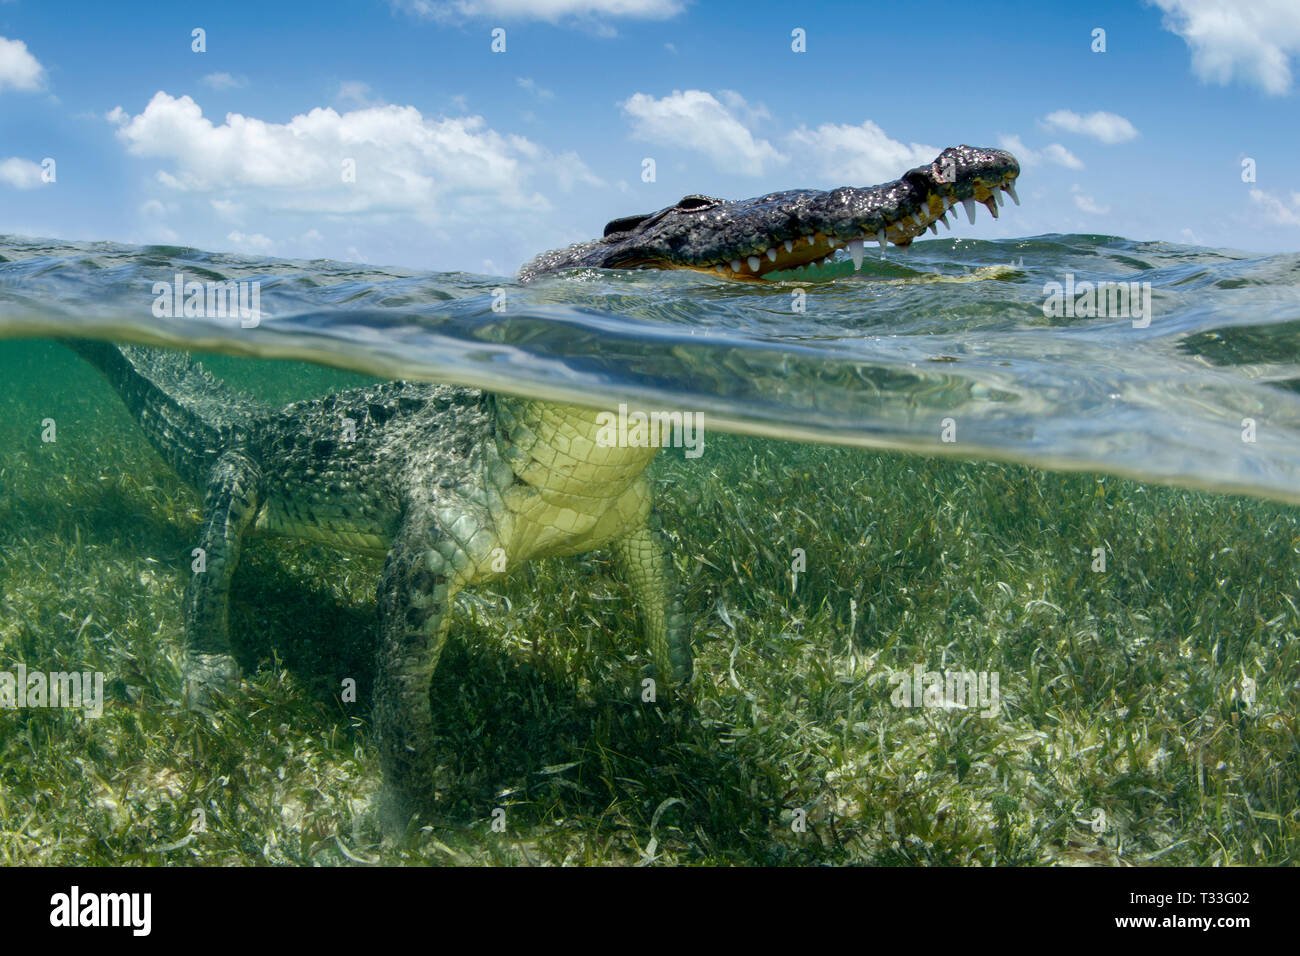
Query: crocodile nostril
(920, 179)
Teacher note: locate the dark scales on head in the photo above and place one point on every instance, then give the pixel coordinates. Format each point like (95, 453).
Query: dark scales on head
(748, 238)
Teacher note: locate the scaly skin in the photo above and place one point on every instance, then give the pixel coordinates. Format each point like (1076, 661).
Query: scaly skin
(749, 238)
(453, 485)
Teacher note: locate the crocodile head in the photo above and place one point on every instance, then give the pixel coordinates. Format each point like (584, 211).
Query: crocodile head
(749, 238)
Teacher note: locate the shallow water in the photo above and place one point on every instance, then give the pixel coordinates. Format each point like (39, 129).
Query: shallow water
(1146, 639)
(944, 348)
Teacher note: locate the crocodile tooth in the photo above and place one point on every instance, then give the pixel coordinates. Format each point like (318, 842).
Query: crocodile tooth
(855, 250)
(753, 263)
(880, 238)
(735, 265)
(789, 246)
(1011, 191)
(934, 229)
(944, 219)
(969, 206)
(991, 206)
(771, 253)
(997, 194)
(812, 241)
(919, 220)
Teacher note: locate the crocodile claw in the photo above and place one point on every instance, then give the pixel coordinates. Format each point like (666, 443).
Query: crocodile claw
(208, 676)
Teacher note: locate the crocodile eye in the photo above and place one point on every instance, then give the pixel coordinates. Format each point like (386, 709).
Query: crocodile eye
(696, 203)
(626, 224)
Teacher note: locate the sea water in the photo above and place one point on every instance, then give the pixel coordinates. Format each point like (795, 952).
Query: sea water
(1020, 461)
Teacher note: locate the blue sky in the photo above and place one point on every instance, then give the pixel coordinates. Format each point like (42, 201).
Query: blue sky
(466, 158)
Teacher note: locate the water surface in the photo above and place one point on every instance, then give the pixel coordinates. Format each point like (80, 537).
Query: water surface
(944, 348)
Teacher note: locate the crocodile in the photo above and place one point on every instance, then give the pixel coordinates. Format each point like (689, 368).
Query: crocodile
(749, 238)
(454, 486)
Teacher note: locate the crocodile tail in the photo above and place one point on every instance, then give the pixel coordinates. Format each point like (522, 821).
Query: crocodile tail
(188, 415)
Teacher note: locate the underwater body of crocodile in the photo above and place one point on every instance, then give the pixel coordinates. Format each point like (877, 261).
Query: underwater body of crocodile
(456, 486)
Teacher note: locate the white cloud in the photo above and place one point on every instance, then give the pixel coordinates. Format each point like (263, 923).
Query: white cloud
(749, 114)
(1106, 127)
(18, 68)
(529, 84)
(226, 209)
(442, 171)
(1277, 210)
(1051, 153)
(548, 10)
(1234, 40)
(254, 243)
(1056, 153)
(695, 120)
(857, 155)
(1087, 203)
(356, 93)
(20, 173)
(223, 81)
(1016, 146)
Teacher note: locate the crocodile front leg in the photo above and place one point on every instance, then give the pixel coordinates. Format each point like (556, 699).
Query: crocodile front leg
(647, 566)
(229, 507)
(425, 569)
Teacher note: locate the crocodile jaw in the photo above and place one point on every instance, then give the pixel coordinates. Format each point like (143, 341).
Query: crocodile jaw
(853, 219)
(750, 238)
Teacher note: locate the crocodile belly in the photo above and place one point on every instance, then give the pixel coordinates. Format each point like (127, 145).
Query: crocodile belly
(349, 527)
